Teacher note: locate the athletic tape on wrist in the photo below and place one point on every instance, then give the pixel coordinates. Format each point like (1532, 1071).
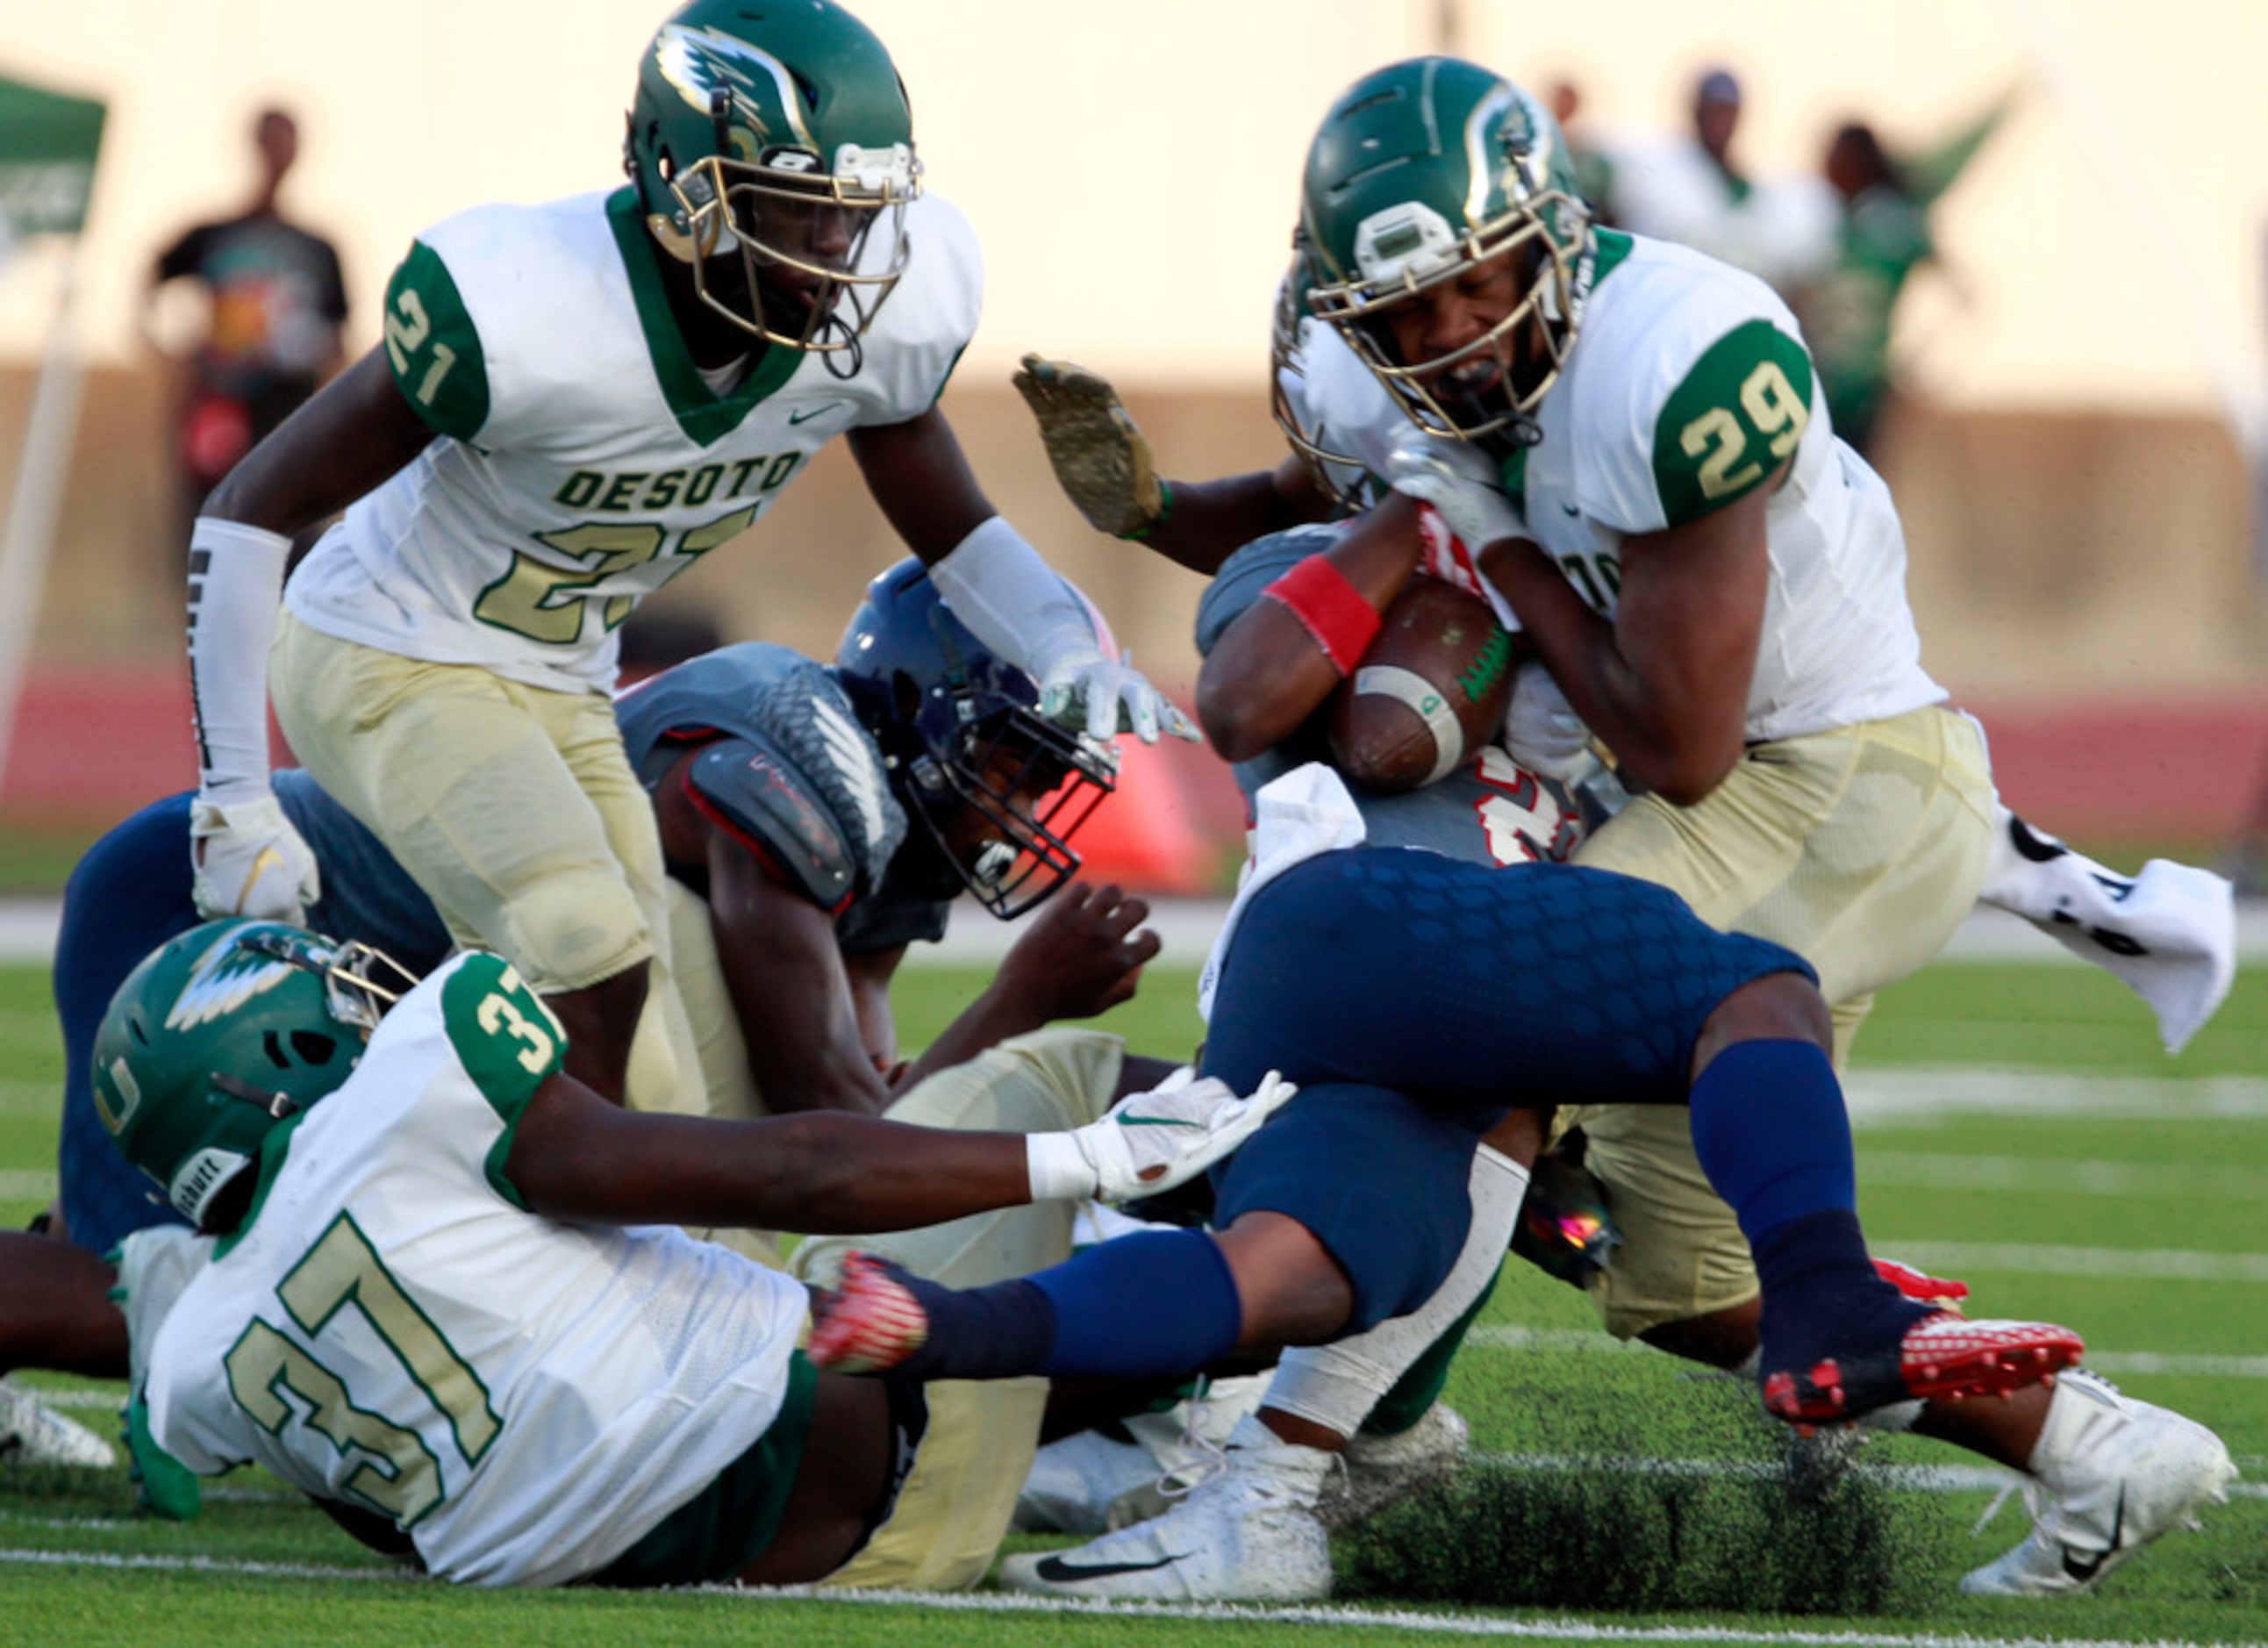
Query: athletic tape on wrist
(1329, 608)
(1141, 534)
(1057, 1168)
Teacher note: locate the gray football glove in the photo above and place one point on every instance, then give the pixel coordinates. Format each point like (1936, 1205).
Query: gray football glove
(1101, 457)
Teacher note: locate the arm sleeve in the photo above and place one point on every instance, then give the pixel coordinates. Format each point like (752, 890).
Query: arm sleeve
(236, 580)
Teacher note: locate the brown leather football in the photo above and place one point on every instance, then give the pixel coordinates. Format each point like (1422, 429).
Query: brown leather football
(1428, 694)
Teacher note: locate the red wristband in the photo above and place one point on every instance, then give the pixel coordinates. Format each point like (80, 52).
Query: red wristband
(1329, 608)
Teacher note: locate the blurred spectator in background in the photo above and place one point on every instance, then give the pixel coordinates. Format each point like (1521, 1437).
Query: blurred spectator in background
(274, 303)
(1691, 190)
(1595, 171)
(1847, 309)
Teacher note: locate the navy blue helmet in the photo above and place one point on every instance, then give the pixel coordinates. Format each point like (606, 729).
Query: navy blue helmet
(999, 788)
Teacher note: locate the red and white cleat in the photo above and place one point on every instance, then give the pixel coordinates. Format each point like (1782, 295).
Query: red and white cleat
(1942, 1292)
(869, 1324)
(1942, 1357)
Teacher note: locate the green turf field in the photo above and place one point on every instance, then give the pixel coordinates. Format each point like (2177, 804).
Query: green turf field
(2018, 1127)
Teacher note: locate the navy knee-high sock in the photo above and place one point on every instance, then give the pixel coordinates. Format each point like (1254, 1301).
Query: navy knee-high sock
(1771, 1133)
(1157, 1302)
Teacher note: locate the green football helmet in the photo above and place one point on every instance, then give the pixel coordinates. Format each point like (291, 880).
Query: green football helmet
(1340, 477)
(772, 150)
(221, 1033)
(1422, 171)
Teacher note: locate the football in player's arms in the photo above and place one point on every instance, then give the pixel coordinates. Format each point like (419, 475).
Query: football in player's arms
(1429, 693)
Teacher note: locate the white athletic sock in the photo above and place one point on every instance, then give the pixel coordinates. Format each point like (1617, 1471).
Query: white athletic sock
(2168, 933)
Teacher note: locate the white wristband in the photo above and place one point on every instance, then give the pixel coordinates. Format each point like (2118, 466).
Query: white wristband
(1013, 601)
(236, 580)
(1059, 1171)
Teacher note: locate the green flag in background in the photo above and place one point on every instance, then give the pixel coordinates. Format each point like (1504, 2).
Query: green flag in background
(1930, 172)
(47, 143)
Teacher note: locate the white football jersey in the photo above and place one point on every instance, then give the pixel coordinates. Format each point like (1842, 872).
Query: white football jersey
(1688, 385)
(390, 1329)
(580, 461)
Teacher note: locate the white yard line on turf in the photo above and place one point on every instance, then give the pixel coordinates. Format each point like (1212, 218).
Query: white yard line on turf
(1920, 1095)
(2180, 1181)
(1920, 1479)
(1443, 1623)
(1503, 1336)
(2151, 1264)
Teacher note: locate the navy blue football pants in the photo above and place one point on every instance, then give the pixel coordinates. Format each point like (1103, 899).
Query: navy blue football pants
(1415, 998)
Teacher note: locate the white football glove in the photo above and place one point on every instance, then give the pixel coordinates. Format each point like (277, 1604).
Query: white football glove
(1151, 1141)
(1541, 729)
(1104, 697)
(250, 862)
(1460, 481)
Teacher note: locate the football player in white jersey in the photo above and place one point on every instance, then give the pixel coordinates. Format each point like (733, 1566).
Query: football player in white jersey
(815, 822)
(1622, 442)
(444, 1304)
(574, 402)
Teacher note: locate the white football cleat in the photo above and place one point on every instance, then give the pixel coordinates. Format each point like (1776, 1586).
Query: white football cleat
(2109, 1475)
(1093, 1481)
(1075, 1480)
(32, 1433)
(1247, 1533)
(1383, 1471)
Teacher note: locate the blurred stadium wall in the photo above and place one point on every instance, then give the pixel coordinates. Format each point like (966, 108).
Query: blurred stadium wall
(2070, 463)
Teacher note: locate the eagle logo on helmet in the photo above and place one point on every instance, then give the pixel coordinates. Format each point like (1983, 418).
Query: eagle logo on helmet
(699, 63)
(223, 980)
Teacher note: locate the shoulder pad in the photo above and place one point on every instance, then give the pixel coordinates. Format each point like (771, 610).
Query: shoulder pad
(805, 785)
(753, 791)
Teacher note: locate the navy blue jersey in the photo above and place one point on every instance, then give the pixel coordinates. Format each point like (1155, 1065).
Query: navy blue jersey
(797, 776)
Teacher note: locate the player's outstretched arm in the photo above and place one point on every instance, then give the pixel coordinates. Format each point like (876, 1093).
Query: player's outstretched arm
(1082, 954)
(355, 433)
(997, 584)
(1103, 462)
(574, 1156)
(1280, 659)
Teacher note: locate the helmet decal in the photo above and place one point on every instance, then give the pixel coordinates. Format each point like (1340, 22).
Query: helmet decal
(847, 745)
(223, 980)
(129, 1096)
(699, 63)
